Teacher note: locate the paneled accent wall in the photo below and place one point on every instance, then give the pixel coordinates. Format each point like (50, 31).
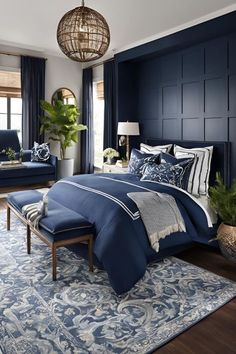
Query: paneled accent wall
(189, 94)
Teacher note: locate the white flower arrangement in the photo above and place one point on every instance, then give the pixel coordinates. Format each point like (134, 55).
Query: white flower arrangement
(110, 153)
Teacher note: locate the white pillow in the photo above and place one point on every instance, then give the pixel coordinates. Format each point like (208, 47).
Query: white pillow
(155, 149)
(200, 171)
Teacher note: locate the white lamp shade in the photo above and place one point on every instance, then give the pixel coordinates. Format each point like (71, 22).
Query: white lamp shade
(128, 128)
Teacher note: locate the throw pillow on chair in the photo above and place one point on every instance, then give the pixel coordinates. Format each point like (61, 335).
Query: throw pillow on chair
(40, 152)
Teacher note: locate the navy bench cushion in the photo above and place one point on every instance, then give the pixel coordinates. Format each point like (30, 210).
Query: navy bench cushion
(30, 169)
(61, 219)
(61, 223)
(19, 199)
(67, 234)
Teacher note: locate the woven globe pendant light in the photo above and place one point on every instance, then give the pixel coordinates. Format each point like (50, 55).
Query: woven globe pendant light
(83, 34)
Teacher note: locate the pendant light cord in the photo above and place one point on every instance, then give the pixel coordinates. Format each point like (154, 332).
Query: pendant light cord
(82, 3)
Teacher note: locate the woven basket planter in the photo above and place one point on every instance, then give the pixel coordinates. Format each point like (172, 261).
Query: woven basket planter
(226, 237)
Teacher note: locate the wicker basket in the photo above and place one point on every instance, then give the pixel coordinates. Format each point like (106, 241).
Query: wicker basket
(227, 241)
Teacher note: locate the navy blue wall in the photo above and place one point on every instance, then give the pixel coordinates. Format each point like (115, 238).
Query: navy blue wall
(187, 94)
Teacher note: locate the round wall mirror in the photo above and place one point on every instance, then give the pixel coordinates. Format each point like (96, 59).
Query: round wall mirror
(65, 95)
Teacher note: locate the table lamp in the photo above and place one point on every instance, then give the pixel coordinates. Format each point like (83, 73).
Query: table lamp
(127, 129)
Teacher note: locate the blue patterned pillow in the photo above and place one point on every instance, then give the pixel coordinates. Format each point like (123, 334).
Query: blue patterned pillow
(40, 153)
(167, 173)
(185, 163)
(138, 159)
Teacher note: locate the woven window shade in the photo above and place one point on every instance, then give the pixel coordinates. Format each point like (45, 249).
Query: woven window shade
(83, 34)
(100, 90)
(10, 84)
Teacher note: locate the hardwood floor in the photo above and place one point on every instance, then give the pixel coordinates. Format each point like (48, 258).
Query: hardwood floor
(5, 190)
(216, 334)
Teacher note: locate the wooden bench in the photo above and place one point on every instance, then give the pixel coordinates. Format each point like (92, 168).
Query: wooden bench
(62, 238)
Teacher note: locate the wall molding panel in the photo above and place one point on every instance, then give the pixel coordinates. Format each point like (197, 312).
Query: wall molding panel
(183, 93)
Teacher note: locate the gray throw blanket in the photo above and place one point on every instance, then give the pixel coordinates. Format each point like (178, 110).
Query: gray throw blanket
(160, 215)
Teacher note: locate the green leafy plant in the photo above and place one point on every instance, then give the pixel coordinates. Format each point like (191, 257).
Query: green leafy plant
(11, 154)
(223, 200)
(60, 122)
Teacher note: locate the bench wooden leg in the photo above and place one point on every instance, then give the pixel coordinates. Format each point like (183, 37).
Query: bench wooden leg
(54, 245)
(90, 254)
(28, 239)
(8, 218)
(54, 262)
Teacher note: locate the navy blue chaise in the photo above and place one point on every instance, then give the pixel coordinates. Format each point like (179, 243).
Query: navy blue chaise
(32, 172)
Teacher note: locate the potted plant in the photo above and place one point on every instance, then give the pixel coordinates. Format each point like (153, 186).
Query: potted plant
(223, 201)
(11, 154)
(109, 154)
(60, 123)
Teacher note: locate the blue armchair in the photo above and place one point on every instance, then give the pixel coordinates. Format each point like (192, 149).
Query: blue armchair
(32, 172)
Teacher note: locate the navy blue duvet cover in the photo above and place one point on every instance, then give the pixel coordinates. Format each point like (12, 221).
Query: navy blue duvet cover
(121, 245)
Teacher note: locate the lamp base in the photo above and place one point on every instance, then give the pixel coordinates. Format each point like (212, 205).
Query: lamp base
(127, 147)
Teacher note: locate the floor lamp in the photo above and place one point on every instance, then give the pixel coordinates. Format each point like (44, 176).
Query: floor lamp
(128, 129)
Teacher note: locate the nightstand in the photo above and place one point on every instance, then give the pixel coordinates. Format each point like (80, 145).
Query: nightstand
(113, 169)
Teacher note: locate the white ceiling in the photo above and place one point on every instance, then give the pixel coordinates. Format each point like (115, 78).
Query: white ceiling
(32, 24)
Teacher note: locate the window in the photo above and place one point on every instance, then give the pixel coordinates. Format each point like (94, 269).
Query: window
(10, 101)
(98, 122)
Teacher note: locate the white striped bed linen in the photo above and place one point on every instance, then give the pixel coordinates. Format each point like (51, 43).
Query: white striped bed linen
(199, 176)
(155, 150)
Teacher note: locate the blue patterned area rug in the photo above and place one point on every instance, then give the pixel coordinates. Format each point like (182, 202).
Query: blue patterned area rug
(81, 314)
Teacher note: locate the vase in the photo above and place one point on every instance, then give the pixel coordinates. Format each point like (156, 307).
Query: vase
(65, 168)
(109, 160)
(226, 237)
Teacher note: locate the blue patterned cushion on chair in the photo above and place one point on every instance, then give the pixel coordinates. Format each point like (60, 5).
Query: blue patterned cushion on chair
(176, 175)
(40, 153)
(138, 159)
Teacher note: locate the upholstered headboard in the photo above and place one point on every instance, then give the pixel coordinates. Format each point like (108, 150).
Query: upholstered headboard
(220, 159)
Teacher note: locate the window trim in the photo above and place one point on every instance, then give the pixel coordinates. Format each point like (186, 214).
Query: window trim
(9, 114)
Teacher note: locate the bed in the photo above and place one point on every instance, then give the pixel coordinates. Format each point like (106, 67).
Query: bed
(121, 245)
